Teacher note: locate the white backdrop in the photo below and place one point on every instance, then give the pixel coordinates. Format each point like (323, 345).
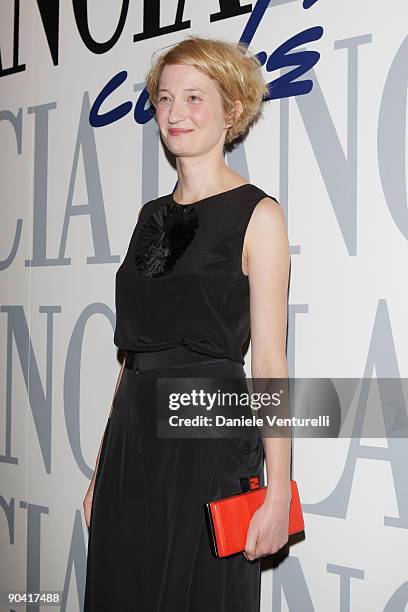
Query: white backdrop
(335, 158)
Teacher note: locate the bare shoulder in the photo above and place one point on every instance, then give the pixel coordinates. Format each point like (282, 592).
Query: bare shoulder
(267, 216)
(266, 231)
(267, 208)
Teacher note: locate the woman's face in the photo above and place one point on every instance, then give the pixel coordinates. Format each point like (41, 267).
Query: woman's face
(189, 111)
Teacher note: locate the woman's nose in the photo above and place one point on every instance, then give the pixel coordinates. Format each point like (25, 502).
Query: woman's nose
(177, 112)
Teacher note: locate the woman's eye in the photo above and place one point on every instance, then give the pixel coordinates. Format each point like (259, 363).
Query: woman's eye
(193, 97)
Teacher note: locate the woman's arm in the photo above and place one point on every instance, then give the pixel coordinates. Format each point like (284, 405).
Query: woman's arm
(117, 385)
(267, 257)
(110, 414)
(87, 502)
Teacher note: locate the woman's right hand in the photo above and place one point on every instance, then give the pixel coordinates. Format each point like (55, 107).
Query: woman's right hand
(87, 503)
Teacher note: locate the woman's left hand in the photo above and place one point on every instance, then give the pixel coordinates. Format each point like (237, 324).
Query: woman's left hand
(268, 529)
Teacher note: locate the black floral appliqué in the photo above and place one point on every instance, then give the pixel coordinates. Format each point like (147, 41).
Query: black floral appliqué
(163, 238)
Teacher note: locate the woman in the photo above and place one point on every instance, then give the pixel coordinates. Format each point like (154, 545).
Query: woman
(205, 265)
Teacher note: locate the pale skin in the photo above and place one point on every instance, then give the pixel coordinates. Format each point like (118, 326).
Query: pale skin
(267, 257)
(189, 99)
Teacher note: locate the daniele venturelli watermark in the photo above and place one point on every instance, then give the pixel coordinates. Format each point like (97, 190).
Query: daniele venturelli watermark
(301, 407)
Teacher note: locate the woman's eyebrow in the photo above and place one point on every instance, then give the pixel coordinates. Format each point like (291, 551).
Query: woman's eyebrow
(187, 89)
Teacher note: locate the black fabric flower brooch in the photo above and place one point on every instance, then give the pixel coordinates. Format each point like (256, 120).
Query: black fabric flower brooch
(163, 238)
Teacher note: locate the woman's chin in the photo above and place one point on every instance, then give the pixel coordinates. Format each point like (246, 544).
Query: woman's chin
(178, 148)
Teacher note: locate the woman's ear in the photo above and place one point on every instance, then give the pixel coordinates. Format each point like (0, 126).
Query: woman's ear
(238, 108)
(234, 114)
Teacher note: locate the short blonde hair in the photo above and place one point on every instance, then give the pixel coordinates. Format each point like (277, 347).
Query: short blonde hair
(237, 75)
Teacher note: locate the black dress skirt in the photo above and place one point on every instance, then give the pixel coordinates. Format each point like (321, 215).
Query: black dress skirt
(149, 547)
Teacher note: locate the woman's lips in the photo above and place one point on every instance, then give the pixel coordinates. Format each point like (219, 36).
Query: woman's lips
(178, 131)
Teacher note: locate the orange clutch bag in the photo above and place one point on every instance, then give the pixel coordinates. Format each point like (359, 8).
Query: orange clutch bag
(229, 518)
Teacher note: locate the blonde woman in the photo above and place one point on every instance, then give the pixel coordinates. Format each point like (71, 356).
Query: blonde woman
(205, 271)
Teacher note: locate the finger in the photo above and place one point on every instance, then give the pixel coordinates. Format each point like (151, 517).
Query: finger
(250, 547)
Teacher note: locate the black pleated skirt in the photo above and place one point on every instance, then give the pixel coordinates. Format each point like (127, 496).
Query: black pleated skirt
(149, 545)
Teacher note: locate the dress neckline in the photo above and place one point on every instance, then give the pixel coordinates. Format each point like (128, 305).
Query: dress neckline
(211, 197)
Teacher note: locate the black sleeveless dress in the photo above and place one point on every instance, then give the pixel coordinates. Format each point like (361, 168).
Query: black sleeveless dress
(182, 309)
